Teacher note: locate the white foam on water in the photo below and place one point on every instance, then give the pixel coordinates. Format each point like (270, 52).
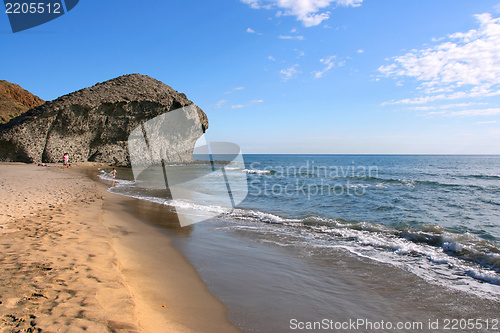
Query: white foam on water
(429, 262)
(185, 204)
(243, 214)
(435, 264)
(233, 168)
(257, 172)
(118, 182)
(442, 263)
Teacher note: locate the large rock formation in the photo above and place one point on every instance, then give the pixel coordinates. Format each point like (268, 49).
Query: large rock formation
(92, 124)
(14, 101)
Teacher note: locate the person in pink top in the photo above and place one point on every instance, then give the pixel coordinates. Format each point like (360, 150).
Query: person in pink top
(65, 160)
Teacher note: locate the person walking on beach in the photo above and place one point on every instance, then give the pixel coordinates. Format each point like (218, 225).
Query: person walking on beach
(113, 173)
(65, 160)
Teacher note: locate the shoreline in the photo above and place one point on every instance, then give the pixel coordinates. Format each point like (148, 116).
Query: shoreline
(75, 257)
(267, 273)
(100, 261)
(171, 293)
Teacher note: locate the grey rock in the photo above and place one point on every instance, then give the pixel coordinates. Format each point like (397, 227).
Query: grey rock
(92, 124)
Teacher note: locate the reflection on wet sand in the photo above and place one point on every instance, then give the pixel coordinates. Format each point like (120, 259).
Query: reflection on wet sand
(159, 216)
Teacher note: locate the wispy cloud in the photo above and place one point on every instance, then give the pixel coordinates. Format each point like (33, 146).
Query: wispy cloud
(252, 31)
(477, 112)
(220, 103)
(360, 51)
(328, 65)
(444, 107)
(462, 65)
(290, 72)
(465, 113)
(309, 12)
(486, 122)
(251, 103)
(234, 89)
(474, 92)
(291, 37)
(301, 53)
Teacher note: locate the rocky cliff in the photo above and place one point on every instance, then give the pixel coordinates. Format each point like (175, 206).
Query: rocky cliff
(92, 124)
(15, 100)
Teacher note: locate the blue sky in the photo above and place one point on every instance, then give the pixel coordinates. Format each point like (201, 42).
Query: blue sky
(290, 76)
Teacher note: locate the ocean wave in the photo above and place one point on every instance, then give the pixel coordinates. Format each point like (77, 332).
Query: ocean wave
(232, 168)
(466, 247)
(449, 257)
(259, 172)
(425, 242)
(430, 251)
(408, 182)
(486, 177)
(118, 182)
(184, 204)
(242, 214)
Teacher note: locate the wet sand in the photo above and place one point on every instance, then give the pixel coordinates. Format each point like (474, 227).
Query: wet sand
(72, 258)
(266, 285)
(166, 289)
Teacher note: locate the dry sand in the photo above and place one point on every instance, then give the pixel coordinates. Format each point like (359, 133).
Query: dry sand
(73, 259)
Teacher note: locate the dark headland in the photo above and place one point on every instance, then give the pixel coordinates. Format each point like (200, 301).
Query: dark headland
(15, 100)
(91, 124)
(73, 256)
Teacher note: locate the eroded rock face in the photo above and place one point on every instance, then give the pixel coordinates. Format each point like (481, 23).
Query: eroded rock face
(92, 124)
(15, 100)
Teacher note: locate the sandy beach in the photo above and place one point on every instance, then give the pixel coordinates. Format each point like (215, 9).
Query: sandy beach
(74, 259)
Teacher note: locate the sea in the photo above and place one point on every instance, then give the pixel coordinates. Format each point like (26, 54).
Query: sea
(345, 242)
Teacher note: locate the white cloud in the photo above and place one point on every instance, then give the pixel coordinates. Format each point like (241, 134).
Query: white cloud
(457, 95)
(480, 112)
(300, 53)
(255, 4)
(234, 89)
(486, 122)
(361, 51)
(422, 108)
(434, 39)
(271, 58)
(466, 113)
(290, 72)
(250, 31)
(463, 65)
(239, 106)
(220, 103)
(291, 37)
(328, 65)
(444, 107)
(309, 12)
